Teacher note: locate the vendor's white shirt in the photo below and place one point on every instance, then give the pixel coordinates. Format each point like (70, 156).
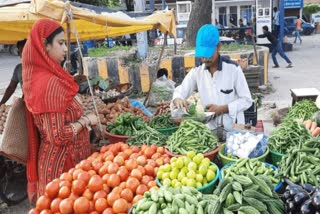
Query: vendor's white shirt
(227, 86)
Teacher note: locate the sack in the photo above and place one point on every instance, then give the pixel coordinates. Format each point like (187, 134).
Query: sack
(14, 143)
(162, 90)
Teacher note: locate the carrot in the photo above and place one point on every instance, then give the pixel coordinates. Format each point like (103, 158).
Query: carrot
(307, 124)
(316, 132)
(313, 126)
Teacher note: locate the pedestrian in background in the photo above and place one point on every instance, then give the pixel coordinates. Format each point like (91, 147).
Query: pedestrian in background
(298, 29)
(276, 21)
(16, 76)
(277, 47)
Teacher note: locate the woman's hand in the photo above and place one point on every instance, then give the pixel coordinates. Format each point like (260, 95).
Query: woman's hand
(92, 119)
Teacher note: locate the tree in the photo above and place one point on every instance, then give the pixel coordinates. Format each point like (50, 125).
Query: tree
(200, 15)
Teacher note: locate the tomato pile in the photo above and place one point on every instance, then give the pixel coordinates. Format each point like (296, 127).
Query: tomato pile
(109, 181)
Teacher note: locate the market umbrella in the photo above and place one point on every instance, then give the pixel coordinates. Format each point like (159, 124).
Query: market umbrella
(16, 20)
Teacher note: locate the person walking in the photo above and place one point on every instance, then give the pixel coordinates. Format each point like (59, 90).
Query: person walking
(53, 109)
(221, 84)
(16, 76)
(298, 29)
(276, 47)
(276, 22)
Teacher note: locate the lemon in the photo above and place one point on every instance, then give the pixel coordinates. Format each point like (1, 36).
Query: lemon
(203, 170)
(167, 168)
(206, 162)
(191, 154)
(165, 175)
(160, 174)
(174, 159)
(173, 175)
(181, 175)
(198, 185)
(179, 164)
(166, 182)
(199, 178)
(210, 175)
(192, 166)
(191, 174)
(191, 183)
(184, 181)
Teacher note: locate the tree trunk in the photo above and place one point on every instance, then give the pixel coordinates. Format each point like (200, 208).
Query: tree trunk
(200, 15)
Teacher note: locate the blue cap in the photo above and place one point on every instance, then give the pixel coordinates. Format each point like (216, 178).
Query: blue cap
(207, 41)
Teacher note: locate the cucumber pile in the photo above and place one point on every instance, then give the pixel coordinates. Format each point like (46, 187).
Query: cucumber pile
(246, 165)
(245, 194)
(184, 200)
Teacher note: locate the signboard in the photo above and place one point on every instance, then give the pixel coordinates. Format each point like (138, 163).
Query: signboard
(293, 4)
(263, 18)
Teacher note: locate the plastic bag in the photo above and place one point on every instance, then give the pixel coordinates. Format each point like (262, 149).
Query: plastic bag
(245, 144)
(162, 90)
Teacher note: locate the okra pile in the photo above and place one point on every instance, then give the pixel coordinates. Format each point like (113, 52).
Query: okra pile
(162, 121)
(288, 135)
(255, 167)
(301, 163)
(246, 194)
(303, 109)
(192, 136)
(147, 136)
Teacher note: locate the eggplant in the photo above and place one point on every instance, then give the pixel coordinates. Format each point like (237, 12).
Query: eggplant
(309, 188)
(316, 200)
(286, 195)
(307, 207)
(291, 206)
(300, 197)
(294, 191)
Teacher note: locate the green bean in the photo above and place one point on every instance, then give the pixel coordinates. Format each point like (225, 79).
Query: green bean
(192, 136)
(148, 136)
(162, 121)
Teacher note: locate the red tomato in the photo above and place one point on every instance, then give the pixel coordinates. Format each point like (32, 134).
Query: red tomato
(152, 184)
(131, 164)
(103, 170)
(136, 199)
(43, 203)
(149, 170)
(52, 189)
(95, 183)
(64, 192)
(136, 173)
(100, 194)
(119, 160)
(141, 189)
(123, 173)
(127, 194)
(66, 206)
(78, 187)
(135, 149)
(81, 205)
(155, 156)
(88, 194)
(34, 211)
(85, 176)
(132, 183)
(101, 204)
(120, 206)
(112, 197)
(160, 150)
(145, 179)
(142, 160)
(113, 168)
(85, 165)
(113, 181)
(54, 206)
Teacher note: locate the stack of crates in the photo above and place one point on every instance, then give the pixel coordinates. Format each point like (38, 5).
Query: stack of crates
(251, 114)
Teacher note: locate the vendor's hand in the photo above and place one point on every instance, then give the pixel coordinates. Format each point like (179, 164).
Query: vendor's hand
(180, 103)
(218, 110)
(92, 118)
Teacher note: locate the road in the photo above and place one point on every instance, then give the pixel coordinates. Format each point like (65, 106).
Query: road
(305, 73)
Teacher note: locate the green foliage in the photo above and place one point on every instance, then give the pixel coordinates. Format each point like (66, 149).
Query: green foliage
(106, 3)
(311, 8)
(104, 51)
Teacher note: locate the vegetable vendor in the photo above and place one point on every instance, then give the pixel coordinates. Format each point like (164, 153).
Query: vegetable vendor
(220, 82)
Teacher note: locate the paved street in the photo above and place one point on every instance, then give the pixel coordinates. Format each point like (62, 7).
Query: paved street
(305, 73)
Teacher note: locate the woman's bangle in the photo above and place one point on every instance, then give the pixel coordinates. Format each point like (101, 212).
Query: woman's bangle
(87, 118)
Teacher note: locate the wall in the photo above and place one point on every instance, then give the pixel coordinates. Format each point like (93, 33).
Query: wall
(141, 75)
